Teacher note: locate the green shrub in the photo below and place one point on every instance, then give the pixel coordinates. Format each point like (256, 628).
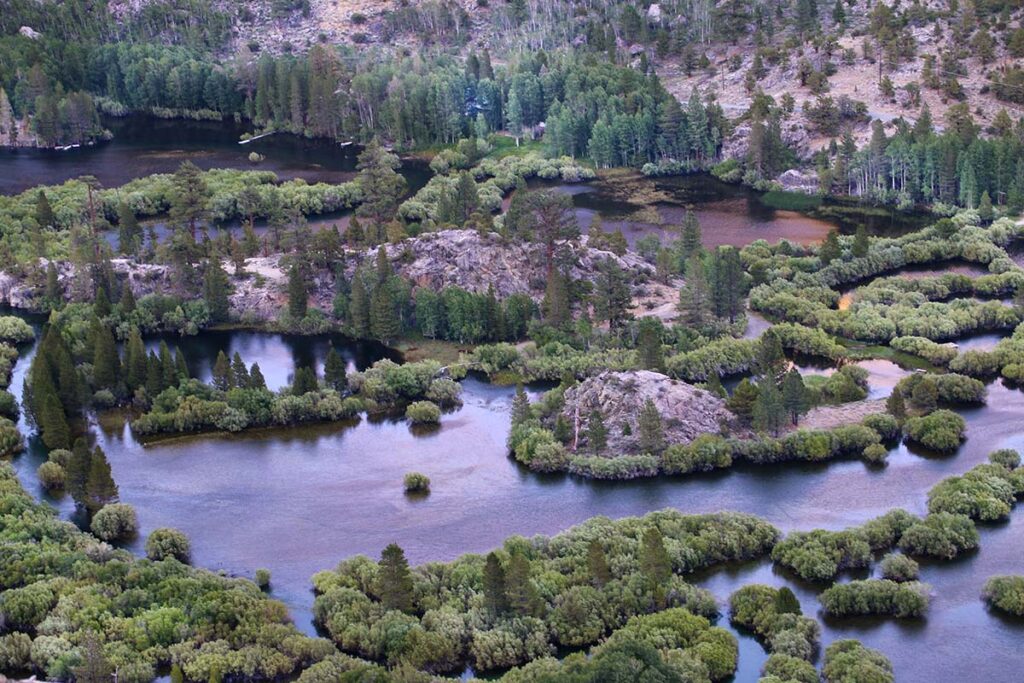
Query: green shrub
(819, 555)
(875, 454)
(1007, 457)
(940, 534)
(848, 660)
(51, 476)
(876, 597)
(940, 431)
(114, 522)
(898, 567)
(416, 483)
(262, 578)
(423, 412)
(168, 543)
(934, 353)
(986, 493)
(1005, 593)
(16, 330)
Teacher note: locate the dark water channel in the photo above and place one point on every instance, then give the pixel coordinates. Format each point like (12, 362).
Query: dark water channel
(144, 145)
(300, 500)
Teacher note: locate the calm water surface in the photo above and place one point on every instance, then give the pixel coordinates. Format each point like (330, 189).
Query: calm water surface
(299, 501)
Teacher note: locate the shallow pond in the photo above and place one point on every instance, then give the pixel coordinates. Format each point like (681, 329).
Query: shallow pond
(300, 500)
(728, 214)
(143, 145)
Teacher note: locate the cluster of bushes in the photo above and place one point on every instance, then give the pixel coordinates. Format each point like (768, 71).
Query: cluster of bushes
(933, 352)
(1005, 593)
(942, 430)
(880, 597)
(196, 407)
(819, 555)
(494, 178)
(849, 660)
(551, 361)
(775, 617)
(987, 492)
(147, 614)
(1006, 359)
(387, 384)
(521, 601)
(915, 291)
(926, 390)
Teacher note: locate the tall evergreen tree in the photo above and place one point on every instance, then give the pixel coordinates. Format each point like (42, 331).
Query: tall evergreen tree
(743, 399)
(239, 373)
(649, 347)
(135, 360)
(520, 406)
(256, 380)
(795, 397)
(597, 432)
(298, 295)
(695, 296)
(359, 308)
(100, 488)
(189, 195)
(106, 363)
(597, 564)
(395, 580)
(215, 290)
(655, 563)
(523, 598)
(305, 381)
(335, 375)
(495, 599)
(769, 410)
(650, 432)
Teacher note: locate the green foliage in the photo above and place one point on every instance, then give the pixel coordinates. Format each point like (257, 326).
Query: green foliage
(898, 567)
(115, 522)
(416, 483)
(848, 660)
(423, 412)
(1005, 593)
(987, 492)
(168, 543)
(941, 431)
(940, 534)
(880, 597)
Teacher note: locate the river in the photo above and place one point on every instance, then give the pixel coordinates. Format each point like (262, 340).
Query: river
(300, 500)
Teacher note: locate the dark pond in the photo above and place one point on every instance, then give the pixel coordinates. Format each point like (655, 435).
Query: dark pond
(300, 500)
(144, 145)
(728, 213)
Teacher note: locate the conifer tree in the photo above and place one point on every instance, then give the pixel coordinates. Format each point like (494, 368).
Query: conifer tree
(239, 373)
(335, 375)
(181, 365)
(896, 406)
(385, 324)
(129, 232)
(101, 304)
(53, 422)
(305, 381)
(53, 297)
(771, 363)
(690, 240)
(44, 212)
(655, 563)
(168, 370)
(695, 296)
(127, 302)
(519, 588)
(597, 432)
(188, 196)
(612, 295)
(78, 467)
(556, 305)
(298, 295)
(215, 290)
(649, 348)
(830, 249)
(380, 184)
(520, 406)
(769, 411)
(154, 376)
(106, 364)
(650, 432)
(495, 600)
(222, 372)
(597, 564)
(100, 488)
(135, 360)
(256, 380)
(742, 401)
(795, 396)
(714, 384)
(359, 308)
(860, 242)
(395, 580)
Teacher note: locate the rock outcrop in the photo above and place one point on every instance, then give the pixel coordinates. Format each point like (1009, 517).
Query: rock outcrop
(686, 411)
(466, 259)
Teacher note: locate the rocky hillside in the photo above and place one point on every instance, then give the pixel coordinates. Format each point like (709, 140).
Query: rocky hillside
(686, 411)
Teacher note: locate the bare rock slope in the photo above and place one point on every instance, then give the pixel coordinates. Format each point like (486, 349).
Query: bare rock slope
(686, 411)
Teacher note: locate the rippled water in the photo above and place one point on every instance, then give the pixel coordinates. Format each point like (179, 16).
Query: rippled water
(300, 500)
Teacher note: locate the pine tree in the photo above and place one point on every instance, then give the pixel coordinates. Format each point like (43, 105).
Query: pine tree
(359, 308)
(519, 588)
(649, 349)
(597, 564)
(188, 196)
(985, 211)
(690, 241)
(771, 363)
(650, 432)
(101, 303)
(795, 397)
(181, 365)
(742, 401)
(335, 375)
(78, 470)
(830, 249)
(769, 411)
(925, 395)
(395, 580)
(597, 432)
(215, 290)
(53, 422)
(298, 296)
(612, 296)
(860, 242)
(256, 380)
(385, 324)
(135, 360)
(168, 370)
(221, 373)
(380, 184)
(305, 381)
(695, 296)
(786, 602)
(129, 232)
(53, 298)
(106, 364)
(655, 563)
(714, 384)
(556, 305)
(127, 302)
(520, 406)
(495, 600)
(44, 212)
(100, 488)
(154, 376)
(239, 372)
